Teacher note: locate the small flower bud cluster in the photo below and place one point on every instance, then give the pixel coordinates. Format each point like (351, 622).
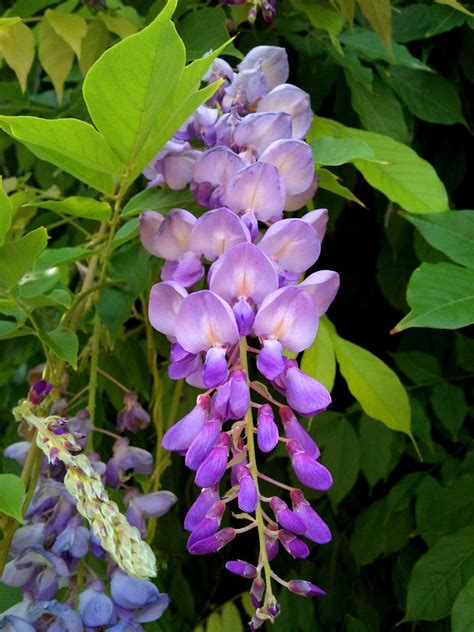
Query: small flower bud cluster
(49, 547)
(267, 7)
(254, 301)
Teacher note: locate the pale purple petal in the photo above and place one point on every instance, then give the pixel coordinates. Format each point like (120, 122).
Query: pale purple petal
(232, 399)
(258, 189)
(248, 495)
(294, 161)
(316, 529)
(216, 166)
(309, 471)
(267, 430)
(172, 239)
(95, 608)
(205, 320)
(294, 430)
(150, 222)
(273, 61)
(213, 467)
(244, 569)
(292, 244)
(256, 132)
(292, 100)
(247, 87)
(216, 232)
(289, 316)
(202, 445)
(178, 168)
(155, 504)
(165, 301)
(187, 271)
(270, 360)
(181, 435)
(131, 593)
(304, 588)
(318, 219)
(305, 394)
(244, 271)
(295, 202)
(200, 507)
(215, 369)
(323, 286)
(244, 316)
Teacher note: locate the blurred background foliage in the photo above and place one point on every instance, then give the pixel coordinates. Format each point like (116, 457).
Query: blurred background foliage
(383, 78)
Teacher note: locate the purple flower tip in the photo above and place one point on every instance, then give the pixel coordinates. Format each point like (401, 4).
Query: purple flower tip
(39, 391)
(244, 569)
(213, 543)
(304, 588)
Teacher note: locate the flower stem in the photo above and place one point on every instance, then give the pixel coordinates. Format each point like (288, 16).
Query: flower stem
(269, 598)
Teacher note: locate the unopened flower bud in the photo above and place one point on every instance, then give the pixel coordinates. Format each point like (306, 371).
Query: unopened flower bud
(244, 569)
(304, 588)
(198, 510)
(213, 543)
(309, 472)
(287, 518)
(248, 496)
(257, 591)
(294, 430)
(294, 546)
(214, 465)
(267, 430)
(39, 391)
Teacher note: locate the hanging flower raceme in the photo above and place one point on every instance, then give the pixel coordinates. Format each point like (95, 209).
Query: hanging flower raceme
(252, 302)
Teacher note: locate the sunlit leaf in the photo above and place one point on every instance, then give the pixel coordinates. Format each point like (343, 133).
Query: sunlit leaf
(371, 381)
(119, 25)
(76, 206)
(70, 144)
(407, 179)
(17, 46)
(12, 491)
(96, 40)
(319, 360)
(6, 213)
(56, 57)
(69, 26)
(18, 257)
(338, 151)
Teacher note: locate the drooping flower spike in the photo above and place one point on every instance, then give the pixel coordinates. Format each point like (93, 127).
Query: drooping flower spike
(254, 299)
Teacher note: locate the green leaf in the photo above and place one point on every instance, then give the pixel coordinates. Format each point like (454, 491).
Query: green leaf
(338, 151)
(69, 26)
(379, 109)
(231, 621)
(330, 182)
(6, 213)
(452, 233)
(321, 15)
(56, 57)
(70, 144)
(137, 112)
(57, 256)
(161, 200)
(319, 360)
(77, 207)
(441, 296)
(38, 282)
(340, 455)
(204, 30)
(462, 616)
(379, 15)
(449, 405)
(374, 385)
(407, 179)
(18, 257)
(119, 25)
(7, 327)
(96, 40)
(12, 491)
(214, 623)
(4, 22)
(17, 46)
(63, 343)
(367, 45)
(9, 596)
(376, 450)
(419, 367)
(419, 21)
(439, 575)
(428, 96)
(456, 5)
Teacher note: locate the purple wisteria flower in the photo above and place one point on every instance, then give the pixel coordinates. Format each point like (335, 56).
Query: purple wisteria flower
(251, 308)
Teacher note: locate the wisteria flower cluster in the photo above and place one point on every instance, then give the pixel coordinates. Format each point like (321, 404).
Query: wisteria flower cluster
(251, 301)
(71, 516)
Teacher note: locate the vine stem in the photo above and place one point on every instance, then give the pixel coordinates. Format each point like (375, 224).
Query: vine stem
(269, 597)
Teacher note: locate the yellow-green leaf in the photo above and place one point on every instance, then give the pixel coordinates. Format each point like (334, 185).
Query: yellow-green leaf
(456, 5)
(4, 22)
(96, 40)
(321, 15)
(374, 385)
(12, 491)
(231, 621)
(379, 15)
(346, 8)
(6, 213)
(319, 360)
(330, 182)
(69, 26)
(55, 56)
(18, 48)
(118, 25)
(18, 257)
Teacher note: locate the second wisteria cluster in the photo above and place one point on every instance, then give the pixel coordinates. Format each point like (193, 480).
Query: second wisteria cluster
(233, 292)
